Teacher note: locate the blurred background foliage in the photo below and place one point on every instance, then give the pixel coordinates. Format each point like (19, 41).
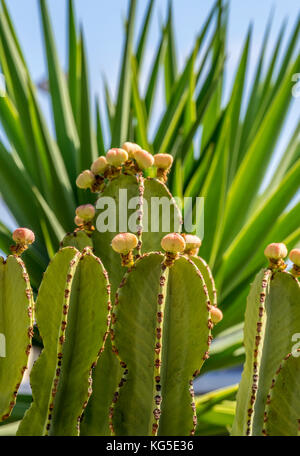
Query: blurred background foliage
(221, 152)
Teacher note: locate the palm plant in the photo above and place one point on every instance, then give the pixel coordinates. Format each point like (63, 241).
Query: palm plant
(238, 143)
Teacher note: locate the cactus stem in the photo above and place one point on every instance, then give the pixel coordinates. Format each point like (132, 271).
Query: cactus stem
(30, 311)
(161, 301)
(140, 216)
(87, 251)
(256, 352)
(61, 338)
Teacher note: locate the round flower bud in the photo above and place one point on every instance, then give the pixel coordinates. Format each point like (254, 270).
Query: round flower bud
(173, 243)
(124, 242)
(294, 256)
(216, 314)
(116, 157)
(85, 180)
(192, 244)
(99, 165)
(23, 236)
(78, 221)
(276, 251)
(143, 159)
(86, 212)
(163, 161)
(131, 148)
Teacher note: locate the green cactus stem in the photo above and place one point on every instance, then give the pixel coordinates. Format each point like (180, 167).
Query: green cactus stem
(16, 319)
(155, 309)
(272, 318)
(73, 316)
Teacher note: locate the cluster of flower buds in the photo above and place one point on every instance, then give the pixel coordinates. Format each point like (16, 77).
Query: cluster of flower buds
(131, 158)
(23, 237)
(173, 244)
(124, 243)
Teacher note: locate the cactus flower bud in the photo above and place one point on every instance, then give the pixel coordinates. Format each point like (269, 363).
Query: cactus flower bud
(294, 256)
(276, 251)
(99, 165)
(124, 242)
(131, 148)
(116, 157)
(163, 161)
(86, 212)
(192, 244)
(216, 314)
(23, 236)
(85, 180)
(173, 243)
(78, 221)
(143, 158)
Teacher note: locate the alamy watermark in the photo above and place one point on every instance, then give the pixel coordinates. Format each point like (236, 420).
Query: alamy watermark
(158, 214)
(296, 347)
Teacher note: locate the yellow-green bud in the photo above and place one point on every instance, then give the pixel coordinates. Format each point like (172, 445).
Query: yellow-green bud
(116, 157)
(85, 180)
(23, 236)
(124, 242)
(131, 148)
(99, 165)
(86, 212)
(276, 251)
(163, 161)
(294, 256)
(192, 244)
(173, 243)
(216, 314)
(143, 158)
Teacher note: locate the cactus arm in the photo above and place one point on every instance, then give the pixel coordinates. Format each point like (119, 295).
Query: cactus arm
(272, 317)
(49, 318)
(282, 415)
(184, 344)
(133, 335)
(16, 317)
(208, 278)
(85, 336)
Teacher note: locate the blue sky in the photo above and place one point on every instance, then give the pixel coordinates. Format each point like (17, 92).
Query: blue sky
(103, 24)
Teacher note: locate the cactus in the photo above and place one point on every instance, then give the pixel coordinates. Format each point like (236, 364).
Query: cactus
(72, 316)
(16, 319)
(125, 366)
(272, 318)
(161, 335)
